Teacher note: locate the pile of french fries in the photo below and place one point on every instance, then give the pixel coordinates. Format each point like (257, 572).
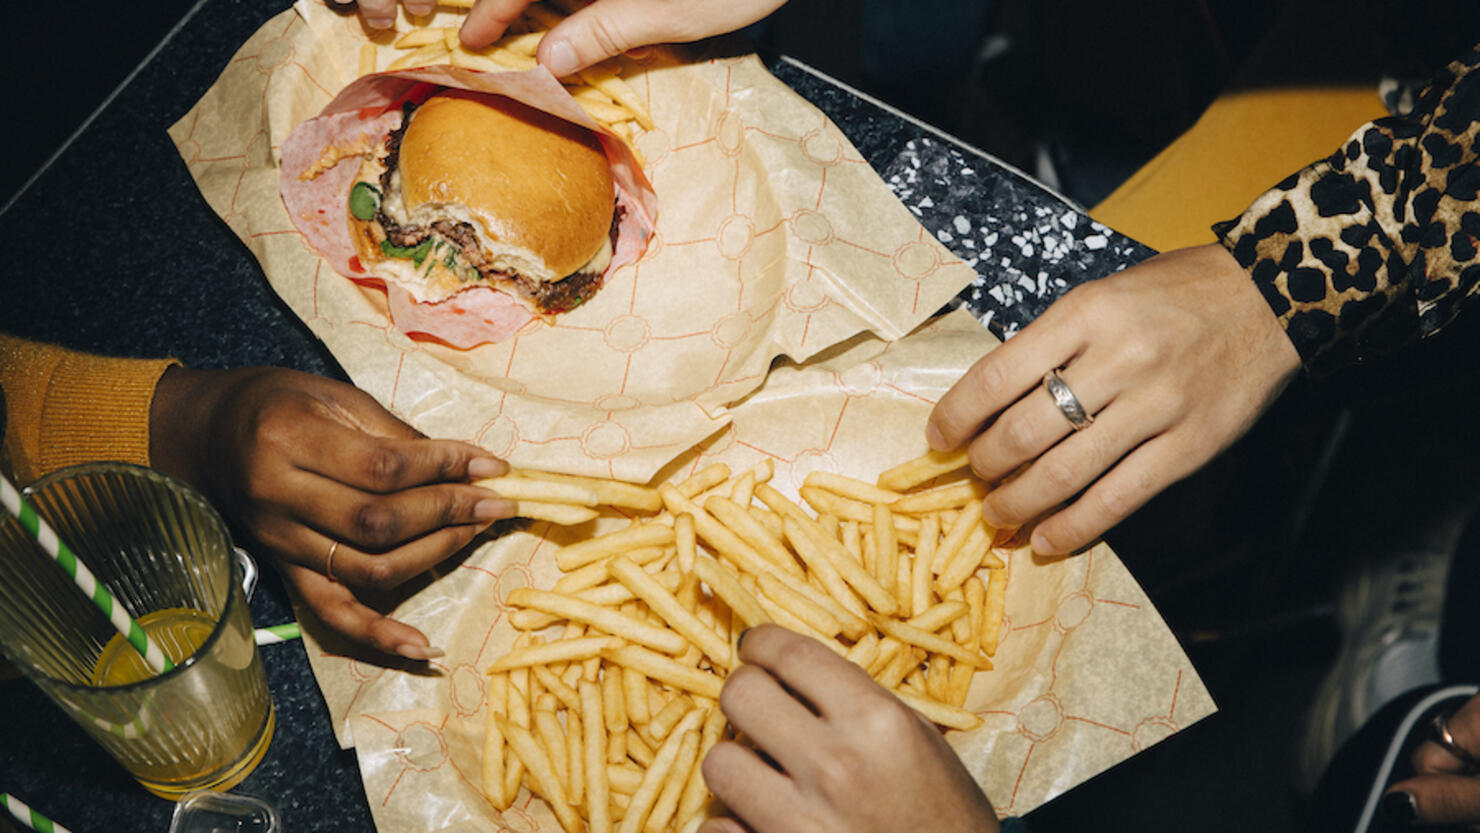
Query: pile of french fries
(608, 700)
(599, 90)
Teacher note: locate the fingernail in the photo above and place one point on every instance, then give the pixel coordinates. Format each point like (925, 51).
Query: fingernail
(934, 437)
(562, 60)
(380, 22)
(1399, 807)
(493, 509)
(412, 651)
(740, 640)
(487, 467)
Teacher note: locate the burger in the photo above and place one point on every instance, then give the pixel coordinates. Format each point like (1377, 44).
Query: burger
(474, 189)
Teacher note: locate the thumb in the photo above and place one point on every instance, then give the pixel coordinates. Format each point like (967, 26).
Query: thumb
(611, 27)
(1443, 798)
(600, 31)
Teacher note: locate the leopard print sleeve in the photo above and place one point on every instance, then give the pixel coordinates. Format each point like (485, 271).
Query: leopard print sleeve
(1375, 245)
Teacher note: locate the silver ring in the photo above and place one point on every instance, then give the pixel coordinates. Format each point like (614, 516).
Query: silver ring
(1068, 403)
(1444, 738)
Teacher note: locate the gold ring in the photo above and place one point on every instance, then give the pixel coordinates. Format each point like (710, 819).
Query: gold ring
(329, 562)
(1069, 404)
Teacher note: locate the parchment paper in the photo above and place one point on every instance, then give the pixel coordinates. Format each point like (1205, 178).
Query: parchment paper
(1087, 673)
(774, 239)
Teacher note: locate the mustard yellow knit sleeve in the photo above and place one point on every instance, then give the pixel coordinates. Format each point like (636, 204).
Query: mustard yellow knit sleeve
(63, 407)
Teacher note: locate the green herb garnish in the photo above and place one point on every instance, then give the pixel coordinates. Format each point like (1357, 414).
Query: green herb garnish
(417, 253)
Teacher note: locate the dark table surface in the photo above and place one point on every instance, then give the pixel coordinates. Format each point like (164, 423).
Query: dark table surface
(118, 253)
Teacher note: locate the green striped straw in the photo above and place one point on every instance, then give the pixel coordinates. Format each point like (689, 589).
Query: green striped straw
(29, 817)
(274, 634)
(47, 538)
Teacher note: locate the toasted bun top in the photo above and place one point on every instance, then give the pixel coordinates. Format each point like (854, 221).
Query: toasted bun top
(535, 181)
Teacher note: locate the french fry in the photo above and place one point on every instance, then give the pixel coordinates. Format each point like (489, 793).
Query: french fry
(749, 530)
(560, 514)
(603, 546)
(664, 669)
(425, 56)
(422, 37)
(673, 785)
(624, 778)
(852, 572)
(608, 492)
(598, 799)
(930, 642)
(920, 594)
(952, 717)
(966, 560)
(656, 776)
(886, 550)
(851, 488)
(542, 771)
(703, 480)
(497, 701)
(634, 695)
(524, 43)
(556, 686)
(610, 83)
(817, 617)
(992, 610)
(368, 54)
(686, 539)
(667, 606)
(726, 586)
(603, 618)
(594, 573)
(545, 653)
(667, 717)
(960, 529)
(548, 491)
(927, 467)
(939, 615)
(949, 496)
(715, 534)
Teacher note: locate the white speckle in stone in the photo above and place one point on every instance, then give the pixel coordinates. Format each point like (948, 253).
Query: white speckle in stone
(1069, 220)
(927, 203)
(961, 223)
(1096, 241)
(944, 236)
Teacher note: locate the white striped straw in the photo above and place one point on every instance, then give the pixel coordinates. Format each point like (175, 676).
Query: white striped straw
(274, 634)
(47, 538)
(29, 817)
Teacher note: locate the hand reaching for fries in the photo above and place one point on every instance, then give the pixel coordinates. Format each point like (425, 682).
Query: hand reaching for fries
(607, 28)
(592, 33)
(848, 755)
(615, 687)
(345, 497)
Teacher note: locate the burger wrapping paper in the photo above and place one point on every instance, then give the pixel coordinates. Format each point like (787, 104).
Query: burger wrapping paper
(773, 239)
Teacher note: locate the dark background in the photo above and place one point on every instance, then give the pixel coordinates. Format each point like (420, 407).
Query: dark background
(1245, 559)
(1048, 87)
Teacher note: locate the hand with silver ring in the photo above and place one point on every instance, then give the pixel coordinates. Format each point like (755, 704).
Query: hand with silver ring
(1149, 373)
(343, 498)
(1446, 789)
